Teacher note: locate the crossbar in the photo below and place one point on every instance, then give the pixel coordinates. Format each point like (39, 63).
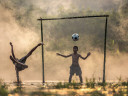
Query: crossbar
(73, 17)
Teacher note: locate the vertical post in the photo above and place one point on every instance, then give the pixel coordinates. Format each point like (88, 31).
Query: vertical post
(105, 49)
(42, 53)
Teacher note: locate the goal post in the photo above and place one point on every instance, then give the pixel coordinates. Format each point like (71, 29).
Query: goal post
(63, 18)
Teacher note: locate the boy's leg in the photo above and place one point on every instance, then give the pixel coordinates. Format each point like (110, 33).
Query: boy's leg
(81, 80)
(23, 59)
(70, 78)
(12, 59)
(32, 50)
(17, 62)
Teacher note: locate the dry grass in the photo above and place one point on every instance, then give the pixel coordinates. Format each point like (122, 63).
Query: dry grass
(90, 88)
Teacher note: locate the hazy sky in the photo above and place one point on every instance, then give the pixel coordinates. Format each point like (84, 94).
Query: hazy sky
(52, 5)
(24, 38)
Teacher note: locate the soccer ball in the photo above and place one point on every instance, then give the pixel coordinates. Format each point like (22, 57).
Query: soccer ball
(75, 37)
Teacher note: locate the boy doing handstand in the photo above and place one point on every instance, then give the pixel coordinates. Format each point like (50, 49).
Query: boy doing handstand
(20, 63)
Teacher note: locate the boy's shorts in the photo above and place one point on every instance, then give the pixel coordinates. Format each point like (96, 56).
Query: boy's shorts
(75, 69)
(21, 67)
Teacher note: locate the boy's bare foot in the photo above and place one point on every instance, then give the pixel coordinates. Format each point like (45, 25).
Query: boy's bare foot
(41, 43)
(57, 54)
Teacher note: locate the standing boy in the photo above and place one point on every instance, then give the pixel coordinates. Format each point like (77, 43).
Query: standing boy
(75, 68)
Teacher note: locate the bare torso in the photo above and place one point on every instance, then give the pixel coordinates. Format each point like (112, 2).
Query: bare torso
(75, 59)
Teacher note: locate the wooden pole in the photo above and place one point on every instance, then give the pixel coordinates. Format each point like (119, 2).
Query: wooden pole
(43, 78)
(73, 17)
(105, 49)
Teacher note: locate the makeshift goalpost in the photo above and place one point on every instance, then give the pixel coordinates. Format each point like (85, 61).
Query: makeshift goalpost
(105, 37)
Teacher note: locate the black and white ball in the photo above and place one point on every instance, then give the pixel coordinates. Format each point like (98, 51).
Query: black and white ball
(75, 37)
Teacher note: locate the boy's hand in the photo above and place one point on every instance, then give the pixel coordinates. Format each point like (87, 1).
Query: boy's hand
(11, 43)
(89, 54)
(41, 44)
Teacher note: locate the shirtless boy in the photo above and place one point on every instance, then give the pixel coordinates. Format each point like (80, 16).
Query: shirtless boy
(20, 63)
(75, 68)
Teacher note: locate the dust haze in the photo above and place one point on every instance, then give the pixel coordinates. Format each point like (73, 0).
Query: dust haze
(19, 25)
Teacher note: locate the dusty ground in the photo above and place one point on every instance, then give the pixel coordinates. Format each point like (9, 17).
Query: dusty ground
(50, 89)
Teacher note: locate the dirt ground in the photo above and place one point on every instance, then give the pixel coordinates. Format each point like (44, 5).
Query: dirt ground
(59, 89)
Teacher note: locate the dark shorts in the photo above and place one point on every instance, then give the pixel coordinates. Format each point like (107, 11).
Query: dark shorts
(21, 67)
(23, 59)
(75, 69)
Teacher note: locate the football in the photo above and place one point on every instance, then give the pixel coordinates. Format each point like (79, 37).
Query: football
(75, 37)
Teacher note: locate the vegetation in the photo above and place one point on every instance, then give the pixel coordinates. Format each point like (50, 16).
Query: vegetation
(73, 85)
(39, 93)
(90, 83)
(3, 89)
(90, 88)
(18, 89)
(96, 93)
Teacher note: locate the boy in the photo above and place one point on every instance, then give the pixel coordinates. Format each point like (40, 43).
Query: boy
(75, 68)
(20, 63)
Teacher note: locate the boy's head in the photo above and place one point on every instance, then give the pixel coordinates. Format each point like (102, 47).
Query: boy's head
(75, 48)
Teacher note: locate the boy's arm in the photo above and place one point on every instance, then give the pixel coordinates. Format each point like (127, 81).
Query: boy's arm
(64, 55)
(86, 56)
(12, 50)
